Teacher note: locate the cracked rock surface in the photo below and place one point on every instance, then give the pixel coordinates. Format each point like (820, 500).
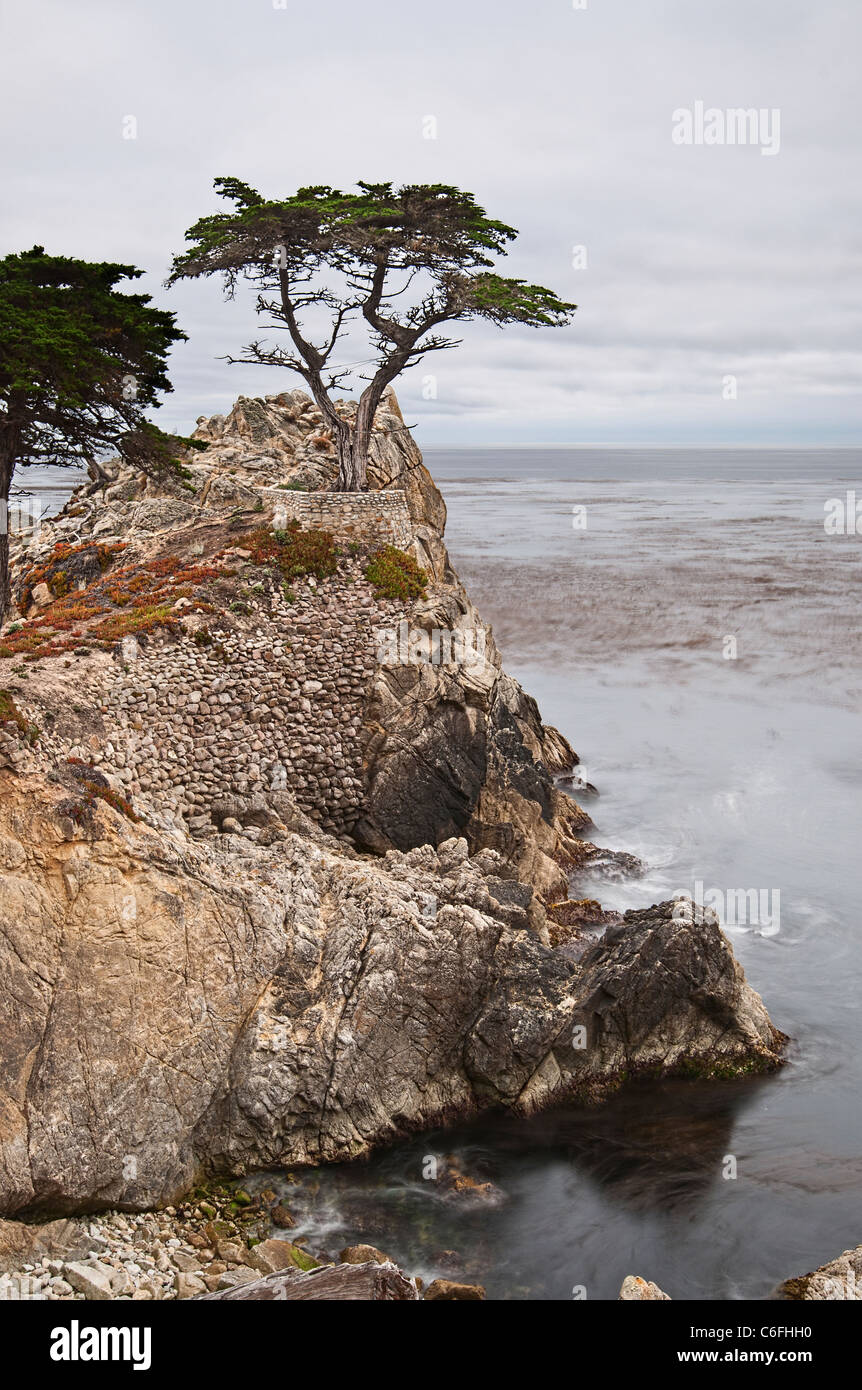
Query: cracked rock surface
(174, 1007)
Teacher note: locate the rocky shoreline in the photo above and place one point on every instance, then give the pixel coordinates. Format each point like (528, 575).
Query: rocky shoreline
(273, 893)
(220, 1241)
(224, 1243)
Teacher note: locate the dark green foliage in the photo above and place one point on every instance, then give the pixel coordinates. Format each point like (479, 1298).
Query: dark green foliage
(435, 228)
(155, 453)
(422, 226)
(413, 258)
(79, 361)
(294, 552)
(395, 574)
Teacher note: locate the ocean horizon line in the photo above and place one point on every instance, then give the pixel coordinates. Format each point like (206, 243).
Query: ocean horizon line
(725, 448)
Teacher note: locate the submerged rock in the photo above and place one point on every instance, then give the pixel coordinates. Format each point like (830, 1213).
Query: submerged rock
(465, 1188)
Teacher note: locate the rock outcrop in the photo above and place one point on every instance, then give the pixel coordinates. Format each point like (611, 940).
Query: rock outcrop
(637, 1290)
(840, 1280)
(221, 683)
(174, 1007)
(268, 897)
(23, 1245)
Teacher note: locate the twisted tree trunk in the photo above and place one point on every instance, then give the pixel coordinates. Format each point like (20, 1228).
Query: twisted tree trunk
(6, 470)
(352, 463)
(353, 452)
(353, 443)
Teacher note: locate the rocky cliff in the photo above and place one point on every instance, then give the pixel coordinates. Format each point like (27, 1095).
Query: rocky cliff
(203, 679)
(275, 880)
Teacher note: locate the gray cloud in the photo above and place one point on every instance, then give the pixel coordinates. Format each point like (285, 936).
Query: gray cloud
(701, 261)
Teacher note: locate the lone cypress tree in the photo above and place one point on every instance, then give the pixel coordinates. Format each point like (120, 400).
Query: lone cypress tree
(80, 362)
(429, 242)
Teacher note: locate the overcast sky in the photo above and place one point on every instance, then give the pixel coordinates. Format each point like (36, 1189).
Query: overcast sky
(703, 261)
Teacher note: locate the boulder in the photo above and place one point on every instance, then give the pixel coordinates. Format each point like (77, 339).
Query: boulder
(445, 1291)
(92, 1280)
(363, 1254)
(270, 1256)
(634, 1289)
(190, 1285)
(840, 1280)
(41, 596)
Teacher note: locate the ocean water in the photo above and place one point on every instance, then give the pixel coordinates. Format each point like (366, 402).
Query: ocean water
(738, 771)
(736, 764)
(50, 485)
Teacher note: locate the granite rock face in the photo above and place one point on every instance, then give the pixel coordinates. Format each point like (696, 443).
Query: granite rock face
(175, 1007)
(270, 895)
(465, 754)
(21, 1244)
(840, 1280)
(245, 687)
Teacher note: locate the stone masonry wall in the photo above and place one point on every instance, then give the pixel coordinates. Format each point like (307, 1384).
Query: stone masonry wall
(377, 518)
(271, 700)
(277, 707)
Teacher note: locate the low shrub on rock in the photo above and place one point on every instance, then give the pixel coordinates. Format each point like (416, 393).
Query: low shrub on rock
(10, 714)
(394, 574)
(94, 787)
(294, 551)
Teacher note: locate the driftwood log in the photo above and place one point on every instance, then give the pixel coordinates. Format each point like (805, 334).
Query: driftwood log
(368, 1282)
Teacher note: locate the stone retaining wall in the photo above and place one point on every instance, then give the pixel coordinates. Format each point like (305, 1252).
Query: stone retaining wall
(273, 700)
(279, 706)
(379, 518)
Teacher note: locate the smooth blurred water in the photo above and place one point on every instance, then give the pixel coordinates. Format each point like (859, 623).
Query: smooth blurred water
(740, 773)
(51, 485)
